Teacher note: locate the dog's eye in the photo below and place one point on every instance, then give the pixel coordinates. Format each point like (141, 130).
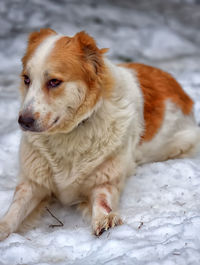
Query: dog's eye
(53, 83)
(26, 80)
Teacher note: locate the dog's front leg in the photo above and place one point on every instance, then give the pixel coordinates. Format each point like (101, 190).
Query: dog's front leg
(104, 205)
(27, 196)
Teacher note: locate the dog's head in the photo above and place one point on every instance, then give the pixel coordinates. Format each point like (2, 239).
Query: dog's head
(63, 80)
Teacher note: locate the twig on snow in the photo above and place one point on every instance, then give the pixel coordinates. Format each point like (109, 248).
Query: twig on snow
(141, 224)
(58, 225)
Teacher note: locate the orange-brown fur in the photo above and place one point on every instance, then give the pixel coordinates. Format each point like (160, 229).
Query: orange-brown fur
(158, 86)
(46, 119)
(78, 58)
(37, 115)
(19, 187)
(66, 58)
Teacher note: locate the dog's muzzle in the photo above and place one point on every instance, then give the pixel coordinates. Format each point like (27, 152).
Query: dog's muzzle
(27, 123)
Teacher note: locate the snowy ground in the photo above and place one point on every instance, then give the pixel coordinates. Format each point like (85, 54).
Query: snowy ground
(161, 203)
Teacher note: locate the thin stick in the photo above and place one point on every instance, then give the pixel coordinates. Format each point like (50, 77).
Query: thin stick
(141, 224)
(58, 225)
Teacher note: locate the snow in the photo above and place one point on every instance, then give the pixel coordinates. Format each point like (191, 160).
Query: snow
(161, 203)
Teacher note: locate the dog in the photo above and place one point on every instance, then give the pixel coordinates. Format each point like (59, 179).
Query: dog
(87, 123)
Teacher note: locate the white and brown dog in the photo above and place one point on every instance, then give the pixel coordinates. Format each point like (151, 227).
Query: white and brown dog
(88, 123)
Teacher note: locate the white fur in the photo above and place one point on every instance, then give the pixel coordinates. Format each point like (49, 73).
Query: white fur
(37, 61)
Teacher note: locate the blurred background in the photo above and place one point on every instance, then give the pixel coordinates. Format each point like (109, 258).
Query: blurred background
(162, 33)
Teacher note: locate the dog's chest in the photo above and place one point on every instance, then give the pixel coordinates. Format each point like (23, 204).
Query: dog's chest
(71, 163)
(64, 160)
(75, 157)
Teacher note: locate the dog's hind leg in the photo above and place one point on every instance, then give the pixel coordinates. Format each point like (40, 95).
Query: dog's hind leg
(184, 143)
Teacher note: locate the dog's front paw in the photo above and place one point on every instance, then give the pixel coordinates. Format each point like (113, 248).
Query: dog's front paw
(105, 222)
(4, 230)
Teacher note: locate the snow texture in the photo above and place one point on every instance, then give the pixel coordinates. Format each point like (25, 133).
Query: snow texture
(161, 203)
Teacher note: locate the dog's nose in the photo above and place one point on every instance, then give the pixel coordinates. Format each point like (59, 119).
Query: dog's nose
(26, 122)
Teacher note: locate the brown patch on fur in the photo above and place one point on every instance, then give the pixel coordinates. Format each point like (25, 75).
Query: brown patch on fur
(20, 190)
(79, 59)
(34, 40)
(37, 115)
(19, 187)
(46, 119)
(53, 93)
(158, 86)
(103, 203)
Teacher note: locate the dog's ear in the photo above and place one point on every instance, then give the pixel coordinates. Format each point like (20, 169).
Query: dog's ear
(90, 50)
(37, 35)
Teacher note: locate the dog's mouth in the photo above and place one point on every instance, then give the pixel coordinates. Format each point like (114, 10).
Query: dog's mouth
(51, 126)
(56, 120)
